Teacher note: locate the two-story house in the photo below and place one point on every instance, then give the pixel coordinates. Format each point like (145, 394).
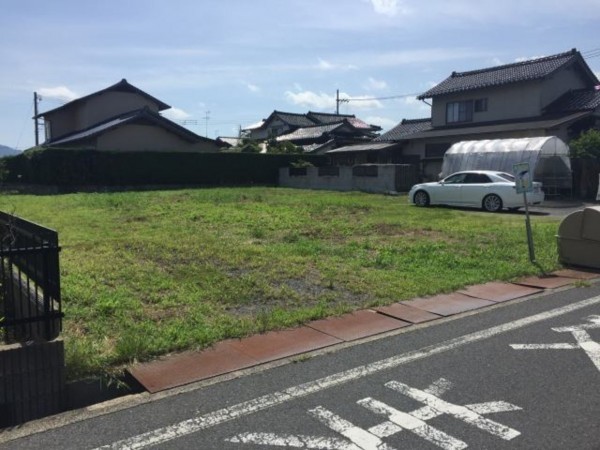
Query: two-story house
(120, 117)
(552, 96)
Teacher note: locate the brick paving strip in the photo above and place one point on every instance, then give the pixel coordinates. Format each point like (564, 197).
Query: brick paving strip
(237, 354)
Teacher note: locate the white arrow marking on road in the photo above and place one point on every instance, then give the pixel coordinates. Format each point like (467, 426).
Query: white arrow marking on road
(583, 338)
(221, 416)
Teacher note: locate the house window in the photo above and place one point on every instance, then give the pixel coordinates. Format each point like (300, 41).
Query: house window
(481, 105)
(47, 130)
(459, 111)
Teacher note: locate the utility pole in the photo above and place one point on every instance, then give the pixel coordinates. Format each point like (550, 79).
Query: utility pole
(206, 117)
(339, 100)
(36, 99)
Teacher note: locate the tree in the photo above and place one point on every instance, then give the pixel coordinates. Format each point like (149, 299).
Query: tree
(283, 147)
(586, 150)
(587, 145)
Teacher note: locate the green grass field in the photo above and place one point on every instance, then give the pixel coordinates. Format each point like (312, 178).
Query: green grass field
(146, 273)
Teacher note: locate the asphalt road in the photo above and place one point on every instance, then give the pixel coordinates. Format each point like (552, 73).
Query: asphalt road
(521, 375)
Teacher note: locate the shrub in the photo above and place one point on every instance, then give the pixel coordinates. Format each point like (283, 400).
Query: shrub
(65, 167)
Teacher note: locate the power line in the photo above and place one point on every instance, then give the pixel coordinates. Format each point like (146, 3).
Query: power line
(367, 99)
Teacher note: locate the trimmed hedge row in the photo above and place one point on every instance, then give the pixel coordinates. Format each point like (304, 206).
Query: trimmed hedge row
(100, 168)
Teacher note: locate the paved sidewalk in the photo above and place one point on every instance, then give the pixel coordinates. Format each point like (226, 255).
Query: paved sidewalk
(237, 354)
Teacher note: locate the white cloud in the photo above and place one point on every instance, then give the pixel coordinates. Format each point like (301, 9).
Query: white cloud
(384, 122)
(375, 85)
(362, 102)
(323, 101)
(175, 114)
(252, 87)
(311, 99)
(326, 65)
(417, 105)
(62, 93)
(388, 8)
(527, 58)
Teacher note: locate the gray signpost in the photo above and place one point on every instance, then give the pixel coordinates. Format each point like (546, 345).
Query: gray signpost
(524, 184)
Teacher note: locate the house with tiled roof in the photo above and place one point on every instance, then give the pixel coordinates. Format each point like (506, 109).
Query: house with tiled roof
(551, 96)
(312, 129)
(318, 138)
(120, 117)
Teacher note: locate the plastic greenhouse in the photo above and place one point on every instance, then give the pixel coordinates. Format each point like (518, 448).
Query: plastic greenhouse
(548, 158)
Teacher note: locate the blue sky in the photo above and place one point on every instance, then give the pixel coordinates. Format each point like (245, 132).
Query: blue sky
(241, 59)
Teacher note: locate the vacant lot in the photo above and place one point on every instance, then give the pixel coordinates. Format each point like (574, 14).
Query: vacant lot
(145, 273)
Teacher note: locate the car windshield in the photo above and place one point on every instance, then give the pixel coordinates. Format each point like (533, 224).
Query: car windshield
(506, 176)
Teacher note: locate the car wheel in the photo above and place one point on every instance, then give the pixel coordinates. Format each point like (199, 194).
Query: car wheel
(421, 198)
(492, 203)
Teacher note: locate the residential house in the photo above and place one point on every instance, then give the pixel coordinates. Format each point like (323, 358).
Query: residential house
(316, 132)
(120, 117)
(552, 96)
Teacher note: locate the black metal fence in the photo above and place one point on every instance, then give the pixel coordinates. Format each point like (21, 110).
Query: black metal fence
(30, 306)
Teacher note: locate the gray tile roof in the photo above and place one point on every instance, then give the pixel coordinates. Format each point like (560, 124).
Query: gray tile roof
(121, 86)
(313, 132)
(536, 124)
(578, 100)
(372, 146)
(404, 129)
(323, 118)
(511, 73)
(294, 119)
(140, 115)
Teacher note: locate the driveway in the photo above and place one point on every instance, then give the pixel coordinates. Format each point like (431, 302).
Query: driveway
(560, 208)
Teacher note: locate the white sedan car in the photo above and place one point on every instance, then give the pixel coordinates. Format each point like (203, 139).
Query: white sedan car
(486, 189)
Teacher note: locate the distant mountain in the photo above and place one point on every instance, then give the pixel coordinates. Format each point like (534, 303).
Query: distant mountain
(7, 151)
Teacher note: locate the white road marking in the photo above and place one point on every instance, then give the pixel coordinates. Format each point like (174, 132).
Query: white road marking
(579, 332)
(308, 442)
(417, 426)
(460, 412)
(370, 439)
(220, 416)
(361, 438)
(492, 407)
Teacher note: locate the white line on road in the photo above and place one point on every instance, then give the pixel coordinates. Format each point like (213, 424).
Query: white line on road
(218, 417)
(579, 332)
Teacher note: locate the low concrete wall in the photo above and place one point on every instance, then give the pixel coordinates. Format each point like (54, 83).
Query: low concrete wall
(32, 381)
(357, 178)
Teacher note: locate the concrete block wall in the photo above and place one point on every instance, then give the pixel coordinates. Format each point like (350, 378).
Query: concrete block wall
(384, 182)
(32, 381)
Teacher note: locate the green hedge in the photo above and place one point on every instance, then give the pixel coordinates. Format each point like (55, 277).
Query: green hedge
(101, 168)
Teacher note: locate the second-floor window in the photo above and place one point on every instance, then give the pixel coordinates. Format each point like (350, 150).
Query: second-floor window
(457, 112)
(481, 105)
(47, 130)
